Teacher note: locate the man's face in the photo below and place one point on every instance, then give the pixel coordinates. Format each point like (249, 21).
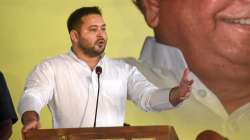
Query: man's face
(92, 37)
(217, 27)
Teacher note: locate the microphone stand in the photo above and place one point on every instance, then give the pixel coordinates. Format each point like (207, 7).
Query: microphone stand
(98, 72)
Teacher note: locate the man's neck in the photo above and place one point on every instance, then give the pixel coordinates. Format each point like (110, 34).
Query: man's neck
(230, 82)
(232, 93)
(91, 61)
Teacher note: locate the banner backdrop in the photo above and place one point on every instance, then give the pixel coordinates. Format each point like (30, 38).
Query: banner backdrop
(33, 30)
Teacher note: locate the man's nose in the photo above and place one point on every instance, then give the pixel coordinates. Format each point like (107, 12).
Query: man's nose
(100, 33)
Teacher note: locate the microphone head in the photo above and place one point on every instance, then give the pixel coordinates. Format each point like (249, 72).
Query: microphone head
(98, 70)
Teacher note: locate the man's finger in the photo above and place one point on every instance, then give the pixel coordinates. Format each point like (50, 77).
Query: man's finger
(190, 82)
(185, 97)
(30, 126)
(185, 74)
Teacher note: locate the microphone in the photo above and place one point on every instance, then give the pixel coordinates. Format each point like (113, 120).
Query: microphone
(98, 71)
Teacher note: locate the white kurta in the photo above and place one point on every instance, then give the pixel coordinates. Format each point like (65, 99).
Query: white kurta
(69, 87)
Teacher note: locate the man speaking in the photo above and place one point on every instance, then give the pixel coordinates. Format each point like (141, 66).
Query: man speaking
(69, 83)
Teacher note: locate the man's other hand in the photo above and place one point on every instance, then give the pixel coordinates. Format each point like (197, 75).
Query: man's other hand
(30, 120)
(183, 91)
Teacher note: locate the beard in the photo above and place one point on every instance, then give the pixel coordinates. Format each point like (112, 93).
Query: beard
(94, 50)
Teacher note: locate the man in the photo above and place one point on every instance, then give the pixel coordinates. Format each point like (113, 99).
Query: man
(8, 115)
(69, 84)
(212, 39)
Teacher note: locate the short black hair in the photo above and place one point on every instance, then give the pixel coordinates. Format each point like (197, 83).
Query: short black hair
(74, 20)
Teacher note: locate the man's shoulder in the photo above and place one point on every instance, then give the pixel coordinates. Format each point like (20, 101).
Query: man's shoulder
(56, 60)
(117, 62)
(53, 63)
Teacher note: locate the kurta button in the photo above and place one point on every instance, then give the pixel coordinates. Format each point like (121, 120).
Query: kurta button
(202, 93)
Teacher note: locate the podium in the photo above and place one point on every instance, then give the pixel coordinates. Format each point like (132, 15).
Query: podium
(104, 133)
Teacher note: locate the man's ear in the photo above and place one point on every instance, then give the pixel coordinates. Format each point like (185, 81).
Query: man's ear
(74, 36)
(151, 12)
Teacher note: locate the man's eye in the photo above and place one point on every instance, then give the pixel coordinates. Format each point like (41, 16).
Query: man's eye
(93, 30)
(103, 29)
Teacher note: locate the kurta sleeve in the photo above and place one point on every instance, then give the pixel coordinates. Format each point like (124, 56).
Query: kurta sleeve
(38, 89)
(146, 95)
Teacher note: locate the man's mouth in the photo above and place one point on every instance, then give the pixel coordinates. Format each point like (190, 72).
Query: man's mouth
(241, 21)
(100, 42)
